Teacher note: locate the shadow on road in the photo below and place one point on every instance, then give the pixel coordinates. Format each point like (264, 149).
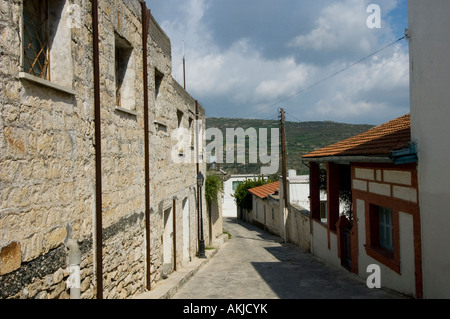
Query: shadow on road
(298, 274)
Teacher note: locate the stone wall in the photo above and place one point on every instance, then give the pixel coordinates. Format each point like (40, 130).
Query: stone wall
(47, 161)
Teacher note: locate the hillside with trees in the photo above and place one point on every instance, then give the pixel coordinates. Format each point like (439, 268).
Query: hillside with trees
(301, 137)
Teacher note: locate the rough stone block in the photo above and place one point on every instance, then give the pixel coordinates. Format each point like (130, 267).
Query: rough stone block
(10, 258)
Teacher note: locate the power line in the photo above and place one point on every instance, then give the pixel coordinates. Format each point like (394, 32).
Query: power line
(292, 116)
(333, 74)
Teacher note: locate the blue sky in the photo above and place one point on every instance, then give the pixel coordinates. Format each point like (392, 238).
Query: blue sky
(248, 58)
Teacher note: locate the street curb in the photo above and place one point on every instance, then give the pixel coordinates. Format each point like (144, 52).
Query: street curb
(167, 288)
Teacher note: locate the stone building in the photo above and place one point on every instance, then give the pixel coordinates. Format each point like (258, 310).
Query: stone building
(88, 151)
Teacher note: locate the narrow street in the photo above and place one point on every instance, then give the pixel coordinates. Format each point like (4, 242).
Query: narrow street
(257, 265)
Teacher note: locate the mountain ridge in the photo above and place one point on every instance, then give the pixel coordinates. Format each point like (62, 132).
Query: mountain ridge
(301, 138)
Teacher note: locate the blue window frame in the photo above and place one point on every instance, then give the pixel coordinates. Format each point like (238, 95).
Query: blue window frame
(236, 184)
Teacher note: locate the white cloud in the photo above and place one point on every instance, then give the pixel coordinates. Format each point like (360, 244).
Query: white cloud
(240, 77)
(342, 26)
(374, 90)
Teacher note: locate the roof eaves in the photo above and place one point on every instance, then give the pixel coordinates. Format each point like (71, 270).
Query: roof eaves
(349, 159)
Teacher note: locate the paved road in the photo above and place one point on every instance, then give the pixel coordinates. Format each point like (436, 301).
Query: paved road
(257, 265)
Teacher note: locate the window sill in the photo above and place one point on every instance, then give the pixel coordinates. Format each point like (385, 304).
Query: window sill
(161, 128)
(35, 79)
(383, 256)
(129, 112)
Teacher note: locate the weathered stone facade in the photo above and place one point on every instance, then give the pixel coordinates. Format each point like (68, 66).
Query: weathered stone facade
(47, 155)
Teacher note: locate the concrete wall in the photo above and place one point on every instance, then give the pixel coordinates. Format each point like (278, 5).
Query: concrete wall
(298, 189)
(321, 247)
(267, 214)
(273, 221)
(259, 211)
(430, 76)
(261, 214)
(47, 161)
(298, 227)
(216, 225)
(229, 205)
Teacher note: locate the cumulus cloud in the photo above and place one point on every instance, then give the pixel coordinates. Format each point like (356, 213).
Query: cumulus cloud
(376, 90)
(241, 76)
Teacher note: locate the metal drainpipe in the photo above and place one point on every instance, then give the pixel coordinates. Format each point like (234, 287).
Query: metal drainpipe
(74, 281)
(145, 26)
(197, 159)
(98, 153)
(174, 239)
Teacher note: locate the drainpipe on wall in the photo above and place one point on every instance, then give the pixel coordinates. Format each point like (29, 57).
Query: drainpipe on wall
(197, 159)
(174, 237)
(98, 154)
(145, 26)
(74, 281)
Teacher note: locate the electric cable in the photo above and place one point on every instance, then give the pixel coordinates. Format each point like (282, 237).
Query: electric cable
(331, 75)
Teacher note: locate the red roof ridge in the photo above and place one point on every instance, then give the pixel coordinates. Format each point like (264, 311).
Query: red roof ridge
(265, 190)
(379, 140)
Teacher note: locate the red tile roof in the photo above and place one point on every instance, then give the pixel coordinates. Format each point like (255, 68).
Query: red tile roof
(378, 141)
(265, 190)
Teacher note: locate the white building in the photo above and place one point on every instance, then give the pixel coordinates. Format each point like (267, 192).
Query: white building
(229, 208)
(430, 114)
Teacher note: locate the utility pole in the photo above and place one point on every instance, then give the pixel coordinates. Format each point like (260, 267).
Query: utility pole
(184, 69)
(284, 171)
(283, 156)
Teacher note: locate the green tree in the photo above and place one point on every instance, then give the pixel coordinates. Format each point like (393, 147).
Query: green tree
(213, 185)
(243, 197)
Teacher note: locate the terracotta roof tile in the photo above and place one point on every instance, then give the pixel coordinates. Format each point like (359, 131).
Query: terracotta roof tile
(378, 141)
(265, 190)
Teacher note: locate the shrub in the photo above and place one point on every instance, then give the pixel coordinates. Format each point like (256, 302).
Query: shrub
(242, 196)
(213, 185)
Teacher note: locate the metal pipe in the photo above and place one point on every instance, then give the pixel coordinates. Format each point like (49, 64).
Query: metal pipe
(201, 252)
(145, 26)
(174, 236)
(197, 165)
(98, 153)
(184, 69)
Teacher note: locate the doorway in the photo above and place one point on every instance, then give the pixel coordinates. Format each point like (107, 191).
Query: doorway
(186, 231)
(167, 241)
